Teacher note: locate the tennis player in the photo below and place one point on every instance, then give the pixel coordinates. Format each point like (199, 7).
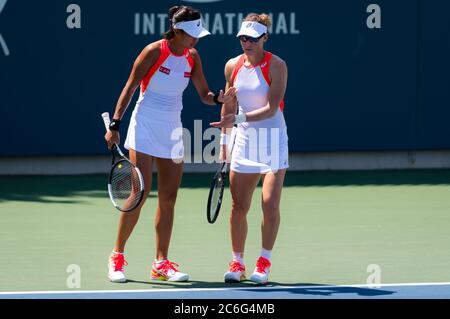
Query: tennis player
(260, 80)
(163, 70)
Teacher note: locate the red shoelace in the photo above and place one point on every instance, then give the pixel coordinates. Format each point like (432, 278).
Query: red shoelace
(261, 264)
(236, 266)
(166, 266)
(119, 261)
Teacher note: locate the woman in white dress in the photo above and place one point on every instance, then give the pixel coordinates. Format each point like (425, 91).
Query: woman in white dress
(163, 70)
(261, 145)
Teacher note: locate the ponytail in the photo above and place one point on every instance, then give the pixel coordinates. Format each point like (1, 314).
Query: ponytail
(171, 33)
(178, 14)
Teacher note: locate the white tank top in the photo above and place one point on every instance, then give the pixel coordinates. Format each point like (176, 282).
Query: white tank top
(252, 84)
(162, 88)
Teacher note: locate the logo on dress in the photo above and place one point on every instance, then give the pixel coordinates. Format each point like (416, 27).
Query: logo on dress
(164, 70)
(264, 64)
(187, 74)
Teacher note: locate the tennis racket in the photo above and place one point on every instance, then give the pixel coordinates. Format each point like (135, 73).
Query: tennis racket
(125, 182)
(218, 186)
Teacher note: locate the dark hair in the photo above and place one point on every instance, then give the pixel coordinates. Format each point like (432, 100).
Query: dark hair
(178, 14)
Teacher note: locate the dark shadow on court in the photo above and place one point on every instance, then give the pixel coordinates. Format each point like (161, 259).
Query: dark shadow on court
(192, 284)
(343, 178)
(297, 289)
(325, 290)
(48, 189)
(55, 189)
(368, 178)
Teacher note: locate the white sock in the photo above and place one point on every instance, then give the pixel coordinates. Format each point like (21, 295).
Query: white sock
(159, 262)
(238, 257)
(266, 254)
(116, 253)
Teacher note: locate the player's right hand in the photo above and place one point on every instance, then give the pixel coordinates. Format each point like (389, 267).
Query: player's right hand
(112, 137)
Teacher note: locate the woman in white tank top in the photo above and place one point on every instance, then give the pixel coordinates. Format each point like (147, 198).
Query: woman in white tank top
(261, 144)
(163, 71)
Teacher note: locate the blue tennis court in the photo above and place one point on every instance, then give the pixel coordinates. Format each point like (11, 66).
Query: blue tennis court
(385, 291)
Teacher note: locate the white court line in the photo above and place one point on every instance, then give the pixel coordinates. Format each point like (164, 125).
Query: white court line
(169, 290)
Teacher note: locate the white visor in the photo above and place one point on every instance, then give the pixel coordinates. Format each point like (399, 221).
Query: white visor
(252, 29)
(194, 28)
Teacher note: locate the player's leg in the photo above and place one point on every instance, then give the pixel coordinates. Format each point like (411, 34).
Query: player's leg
(242, 187)
(127, 221)
(169, 180)
(271, 196)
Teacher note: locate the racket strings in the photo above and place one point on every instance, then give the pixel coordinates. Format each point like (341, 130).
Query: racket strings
(215, 199)
(125, 185)
(216, 194)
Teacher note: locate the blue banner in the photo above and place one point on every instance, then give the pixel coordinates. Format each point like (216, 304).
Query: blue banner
(363, 75)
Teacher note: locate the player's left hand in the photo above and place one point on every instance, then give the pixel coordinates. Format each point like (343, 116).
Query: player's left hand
(229, 95)
(226, 97)
(226, 121)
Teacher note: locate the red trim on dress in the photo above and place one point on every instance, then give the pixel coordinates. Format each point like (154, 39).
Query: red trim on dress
(165, 52)
(264, 66)
(188, 56)
(237, 67)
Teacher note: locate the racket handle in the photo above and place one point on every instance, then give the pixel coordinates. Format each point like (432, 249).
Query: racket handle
(106, 120)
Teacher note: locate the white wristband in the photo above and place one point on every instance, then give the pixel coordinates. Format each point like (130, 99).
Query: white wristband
(240, 118)
(223, 139)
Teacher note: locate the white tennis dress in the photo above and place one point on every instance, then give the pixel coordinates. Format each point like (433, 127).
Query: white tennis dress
(155, 126)
(260, 146)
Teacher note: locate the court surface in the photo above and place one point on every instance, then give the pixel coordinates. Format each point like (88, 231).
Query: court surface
(389, 291)
(336, 228)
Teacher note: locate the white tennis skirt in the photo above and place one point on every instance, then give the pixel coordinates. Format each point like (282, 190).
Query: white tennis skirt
(158, 134)
(260, 150)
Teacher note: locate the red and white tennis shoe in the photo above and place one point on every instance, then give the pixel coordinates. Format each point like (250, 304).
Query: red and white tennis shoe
(167, 271)
(235, 273)
(115, 268)
(261, 273)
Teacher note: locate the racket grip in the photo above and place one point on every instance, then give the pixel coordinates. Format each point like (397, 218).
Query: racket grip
(106, 120)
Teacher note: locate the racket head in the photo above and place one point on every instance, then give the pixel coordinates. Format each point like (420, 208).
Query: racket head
(215, 195)
(125, 185)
